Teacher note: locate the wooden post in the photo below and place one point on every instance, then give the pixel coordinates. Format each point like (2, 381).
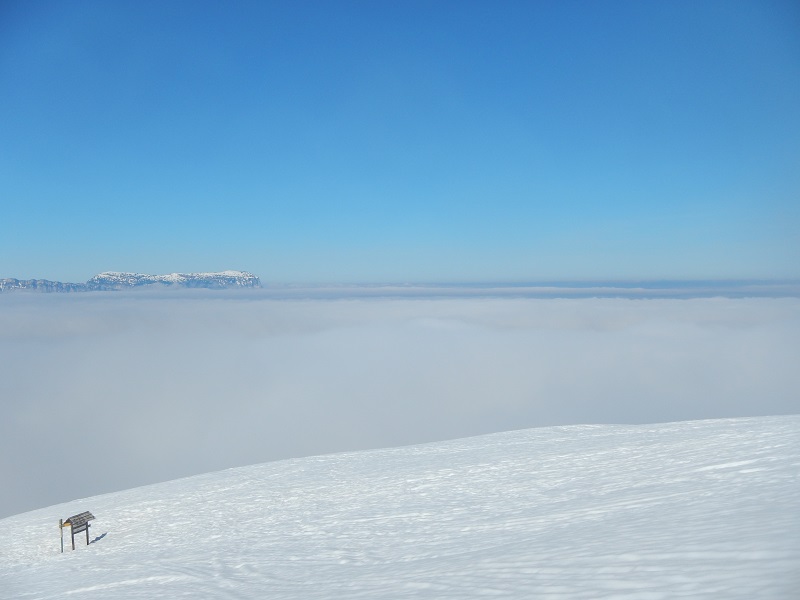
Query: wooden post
(61, 527)
(72, 531)
(87, 534)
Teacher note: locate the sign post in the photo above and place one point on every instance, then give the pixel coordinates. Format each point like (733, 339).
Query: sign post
(77, 523)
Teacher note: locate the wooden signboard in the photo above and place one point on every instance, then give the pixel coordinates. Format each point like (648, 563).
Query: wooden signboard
(76, 524)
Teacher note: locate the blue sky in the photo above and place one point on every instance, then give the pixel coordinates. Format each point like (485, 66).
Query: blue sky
(401, 141)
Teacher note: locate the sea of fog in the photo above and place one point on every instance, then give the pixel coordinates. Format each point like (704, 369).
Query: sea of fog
(136, 388)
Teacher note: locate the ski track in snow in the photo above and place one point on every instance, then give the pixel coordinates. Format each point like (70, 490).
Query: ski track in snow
(702, 509)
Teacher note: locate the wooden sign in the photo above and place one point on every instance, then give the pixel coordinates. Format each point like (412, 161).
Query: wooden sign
(76, 524)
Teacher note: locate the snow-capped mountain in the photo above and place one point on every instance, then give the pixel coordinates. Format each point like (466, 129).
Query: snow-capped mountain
(696, 509)
(10, 284)
(113, 280)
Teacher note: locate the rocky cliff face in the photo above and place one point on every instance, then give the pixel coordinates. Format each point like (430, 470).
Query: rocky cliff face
(113, 281)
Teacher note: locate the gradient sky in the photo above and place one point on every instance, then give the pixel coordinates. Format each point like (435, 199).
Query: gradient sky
(401, 141)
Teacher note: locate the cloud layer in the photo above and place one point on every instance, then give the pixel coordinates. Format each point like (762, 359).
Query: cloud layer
(103, 392)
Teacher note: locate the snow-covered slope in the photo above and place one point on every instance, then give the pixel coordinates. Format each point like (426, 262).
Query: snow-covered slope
(703, 509)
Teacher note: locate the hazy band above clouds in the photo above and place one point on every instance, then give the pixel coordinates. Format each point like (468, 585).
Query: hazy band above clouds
(135, 389)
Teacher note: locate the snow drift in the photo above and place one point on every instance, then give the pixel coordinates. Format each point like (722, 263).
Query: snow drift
(701, 509)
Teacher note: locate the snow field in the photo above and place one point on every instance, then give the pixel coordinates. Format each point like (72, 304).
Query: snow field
(702, 509)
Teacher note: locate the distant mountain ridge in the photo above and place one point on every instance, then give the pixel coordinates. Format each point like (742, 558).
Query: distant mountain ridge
(115, 281)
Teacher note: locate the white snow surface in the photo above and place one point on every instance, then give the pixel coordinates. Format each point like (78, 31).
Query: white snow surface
(695, 509)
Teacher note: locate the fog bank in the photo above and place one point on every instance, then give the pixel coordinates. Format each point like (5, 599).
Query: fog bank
(135, 389)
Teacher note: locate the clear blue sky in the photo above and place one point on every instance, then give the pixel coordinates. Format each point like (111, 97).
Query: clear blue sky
(401, 141)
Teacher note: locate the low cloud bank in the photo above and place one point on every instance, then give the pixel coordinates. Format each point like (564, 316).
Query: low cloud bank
(104, 393)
